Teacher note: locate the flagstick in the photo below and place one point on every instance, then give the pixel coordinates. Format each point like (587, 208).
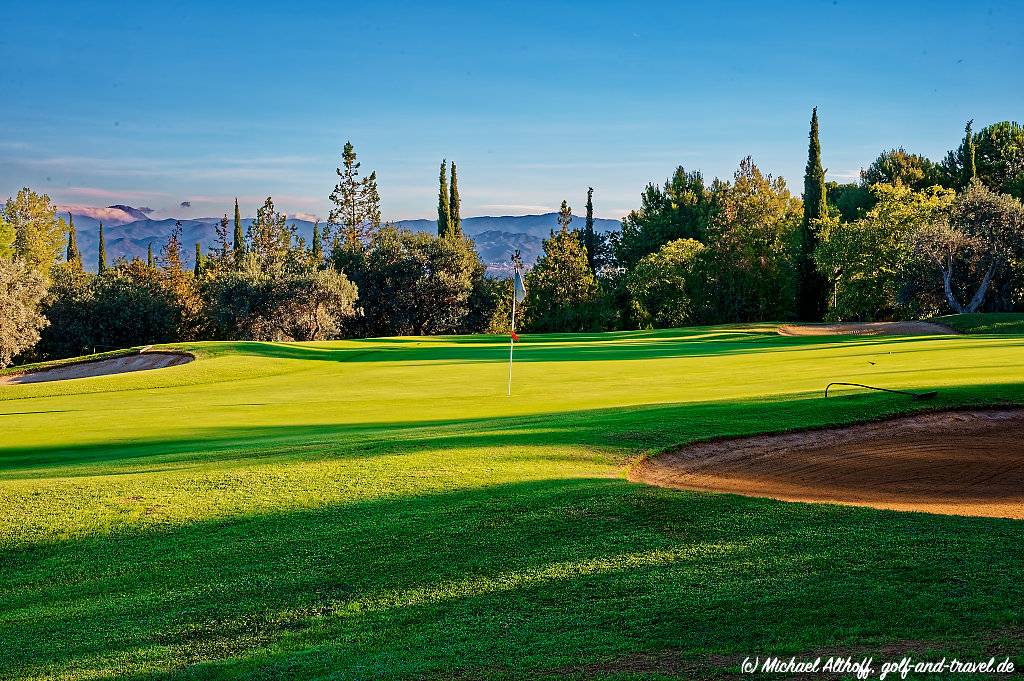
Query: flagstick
(511, 339)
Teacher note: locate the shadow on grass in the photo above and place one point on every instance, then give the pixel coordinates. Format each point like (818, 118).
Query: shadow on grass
(499, 581)
(625, 431)
(622, 346)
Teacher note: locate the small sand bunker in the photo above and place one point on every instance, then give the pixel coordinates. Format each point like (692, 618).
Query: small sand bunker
(956, 463)
(866, 329)
(142, 361)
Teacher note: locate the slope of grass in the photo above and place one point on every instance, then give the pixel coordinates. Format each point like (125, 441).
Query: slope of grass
(380, 509)
(985, 322)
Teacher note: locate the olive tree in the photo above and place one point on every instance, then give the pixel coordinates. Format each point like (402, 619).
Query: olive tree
(21, 292)
(983, 236)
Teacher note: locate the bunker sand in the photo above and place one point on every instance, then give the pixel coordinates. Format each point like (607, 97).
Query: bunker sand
(867, 329)
(142, 361)
(967, 463)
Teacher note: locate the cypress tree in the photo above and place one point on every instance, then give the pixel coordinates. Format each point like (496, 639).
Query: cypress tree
(197, 271)
(101, 265)
(455, 209)
(318, 248)
(73, 255)
(970, 167)
(149, 255)
(589, 241)
(444, 216)
(811, 286)
(239, 237)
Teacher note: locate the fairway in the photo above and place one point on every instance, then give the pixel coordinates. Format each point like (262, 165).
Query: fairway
(380, 509)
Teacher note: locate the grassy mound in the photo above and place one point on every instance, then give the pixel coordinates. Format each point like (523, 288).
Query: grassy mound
(379, 508)
(985, 322)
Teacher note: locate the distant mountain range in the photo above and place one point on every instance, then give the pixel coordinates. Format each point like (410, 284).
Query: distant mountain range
(129, 232)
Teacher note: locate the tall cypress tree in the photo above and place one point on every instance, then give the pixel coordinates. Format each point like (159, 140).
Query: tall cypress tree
(73, 255)
(149, 256)
(811, 286)
(970, 166)
(197, 271)
(455, 209)
(101, 265)
(239, 237)
(589, 238)
(444, 215)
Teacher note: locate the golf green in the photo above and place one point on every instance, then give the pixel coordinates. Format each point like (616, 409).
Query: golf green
(380, 509)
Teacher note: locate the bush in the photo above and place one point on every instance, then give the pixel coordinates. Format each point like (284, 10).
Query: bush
(665, 287)
(252, 304)
(413, 284)
(21, 291)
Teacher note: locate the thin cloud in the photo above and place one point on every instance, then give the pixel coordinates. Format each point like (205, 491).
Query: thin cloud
(845, 175)
(106, 194)
(517, 206)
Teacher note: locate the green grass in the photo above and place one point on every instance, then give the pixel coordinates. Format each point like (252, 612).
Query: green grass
(985, 322)
(379, 509)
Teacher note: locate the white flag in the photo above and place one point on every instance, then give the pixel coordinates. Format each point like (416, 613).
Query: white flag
(520, 286)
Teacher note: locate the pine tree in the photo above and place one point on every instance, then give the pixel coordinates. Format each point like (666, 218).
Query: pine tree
(171, 255)
(197, 270)
(222, 240)
(356, 212)
(455, 208)
(318, 249)
(970, 165)
(564, 216)
(269, 237)
(239, 237)
(149, 256)
(561, 291)
(811, 287)
(444, 208)
(370, 199)
(73, 254)
(101, 265)
(589, 238)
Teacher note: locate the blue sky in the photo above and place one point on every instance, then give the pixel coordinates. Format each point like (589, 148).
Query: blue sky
(152, 104)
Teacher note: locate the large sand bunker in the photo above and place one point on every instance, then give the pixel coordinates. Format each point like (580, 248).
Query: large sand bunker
(142, 361)
(866, 329)
(957, 463)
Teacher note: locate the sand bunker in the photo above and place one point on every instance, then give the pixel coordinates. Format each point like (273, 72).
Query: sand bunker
(142, 361)
(866, 329)
(957, 463)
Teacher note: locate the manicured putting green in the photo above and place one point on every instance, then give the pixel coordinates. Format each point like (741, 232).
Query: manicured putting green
(380, 509)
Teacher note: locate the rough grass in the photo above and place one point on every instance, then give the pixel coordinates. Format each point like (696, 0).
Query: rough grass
(380, 509)
(988, 322)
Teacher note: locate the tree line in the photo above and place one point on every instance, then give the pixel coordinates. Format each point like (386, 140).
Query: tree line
(913, 238)
(357, 277)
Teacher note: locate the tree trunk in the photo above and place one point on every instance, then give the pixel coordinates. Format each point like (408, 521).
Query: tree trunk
(947, 285)
(979, 295)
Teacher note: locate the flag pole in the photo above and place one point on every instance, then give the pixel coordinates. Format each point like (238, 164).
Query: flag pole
(512, 337)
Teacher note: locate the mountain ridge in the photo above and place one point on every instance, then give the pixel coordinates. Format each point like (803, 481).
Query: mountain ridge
(496, 237)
